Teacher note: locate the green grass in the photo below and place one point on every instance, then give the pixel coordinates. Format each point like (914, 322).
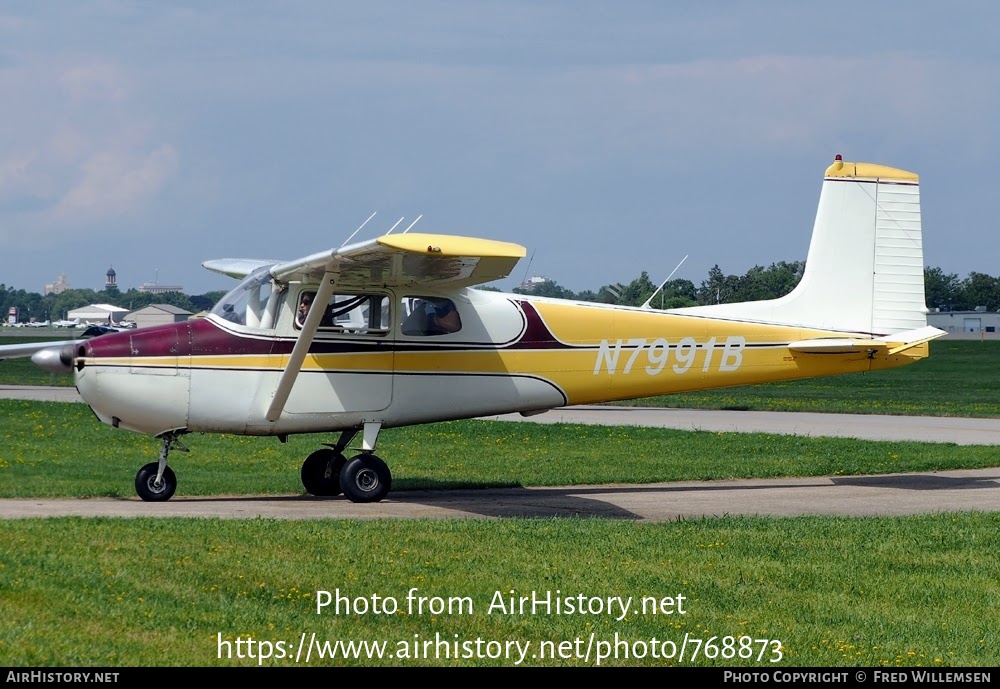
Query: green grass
(51, 449)
(20, 371)
(959, 378)
(907, 591)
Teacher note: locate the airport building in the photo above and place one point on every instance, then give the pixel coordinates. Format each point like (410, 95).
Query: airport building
(978, 324)
(158, 314)
(157, 288)
(98, 313)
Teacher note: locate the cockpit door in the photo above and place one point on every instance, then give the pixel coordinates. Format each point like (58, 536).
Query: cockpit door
(349, 367)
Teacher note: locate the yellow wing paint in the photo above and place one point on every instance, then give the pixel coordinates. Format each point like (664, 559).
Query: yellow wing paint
(452, 246)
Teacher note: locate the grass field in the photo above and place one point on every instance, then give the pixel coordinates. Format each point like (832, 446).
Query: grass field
(53, 449)
(914, 591)
(836, 592)
(21, 371)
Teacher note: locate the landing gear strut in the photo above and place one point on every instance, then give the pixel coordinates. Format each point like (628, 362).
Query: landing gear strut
(156, 482)
(363, 478)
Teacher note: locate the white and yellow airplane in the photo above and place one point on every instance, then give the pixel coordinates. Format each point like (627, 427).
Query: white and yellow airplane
(390, 332)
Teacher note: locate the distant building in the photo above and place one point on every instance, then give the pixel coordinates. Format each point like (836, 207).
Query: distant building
(975, 324)
(112, 281)
(58, 287)
(98, 313)
(157, 288)
(533, 283)
(158, 314)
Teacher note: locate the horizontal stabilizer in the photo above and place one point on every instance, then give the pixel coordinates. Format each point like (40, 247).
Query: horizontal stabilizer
(899, 342)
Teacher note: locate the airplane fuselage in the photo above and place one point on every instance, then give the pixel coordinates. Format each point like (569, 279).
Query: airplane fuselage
(512, 354)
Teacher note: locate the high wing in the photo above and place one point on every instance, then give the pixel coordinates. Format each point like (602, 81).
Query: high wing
(387, 261)
(394, 260)
(410, 259)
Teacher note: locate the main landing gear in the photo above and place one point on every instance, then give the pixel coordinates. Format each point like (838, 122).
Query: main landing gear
(156, 482)
(364, 478)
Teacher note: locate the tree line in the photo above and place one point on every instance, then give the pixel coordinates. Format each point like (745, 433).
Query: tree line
(718, 288)
(943, 291)
(33, 306)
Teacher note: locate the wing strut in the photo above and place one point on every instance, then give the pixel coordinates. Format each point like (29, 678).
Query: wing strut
(301, 349)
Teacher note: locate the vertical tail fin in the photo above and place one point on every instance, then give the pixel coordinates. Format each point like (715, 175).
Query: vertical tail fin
(865, 268)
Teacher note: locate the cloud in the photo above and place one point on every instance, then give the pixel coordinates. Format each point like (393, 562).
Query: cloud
(78, 150)
(113, 183)
(99, 83)
(791, 100)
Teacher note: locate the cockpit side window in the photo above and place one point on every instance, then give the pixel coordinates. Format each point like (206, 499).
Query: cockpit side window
(366, 314)
(429, 316)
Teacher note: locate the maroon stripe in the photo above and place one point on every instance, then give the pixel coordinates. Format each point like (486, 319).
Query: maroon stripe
(537, 335)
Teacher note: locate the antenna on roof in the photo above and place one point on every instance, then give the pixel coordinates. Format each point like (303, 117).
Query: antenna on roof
(413, 223)
(528, 267)
(359, 228)
(646, 305)
(394, 226)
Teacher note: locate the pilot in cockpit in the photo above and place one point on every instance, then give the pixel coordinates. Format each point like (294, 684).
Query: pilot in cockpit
(444, 318)
(432, 316)
(305, 303)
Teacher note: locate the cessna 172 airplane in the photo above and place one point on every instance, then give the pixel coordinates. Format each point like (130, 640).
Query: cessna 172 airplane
(390, 332)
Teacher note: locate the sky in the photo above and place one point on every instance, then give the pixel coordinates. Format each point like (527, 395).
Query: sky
(608, 138)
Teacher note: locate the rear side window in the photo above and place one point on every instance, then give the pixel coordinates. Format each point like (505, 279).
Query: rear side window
(430, 316)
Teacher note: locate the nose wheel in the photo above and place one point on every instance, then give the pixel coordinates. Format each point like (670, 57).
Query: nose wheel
(156, 482)
(152, 489)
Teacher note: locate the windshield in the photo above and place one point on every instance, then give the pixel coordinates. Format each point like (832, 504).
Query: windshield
(247, 301)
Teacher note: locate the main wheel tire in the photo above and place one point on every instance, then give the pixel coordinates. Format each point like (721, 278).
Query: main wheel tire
(321, 472)
(149, 490)
(365, 478)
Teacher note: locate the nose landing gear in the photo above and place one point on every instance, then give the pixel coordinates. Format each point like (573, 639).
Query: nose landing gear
(156, 482)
